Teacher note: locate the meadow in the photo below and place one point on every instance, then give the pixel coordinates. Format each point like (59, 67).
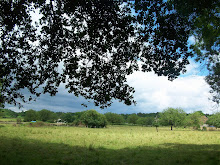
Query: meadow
(116, 145)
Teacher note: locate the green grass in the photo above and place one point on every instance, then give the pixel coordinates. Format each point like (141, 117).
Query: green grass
(113, 145)
(8, 119)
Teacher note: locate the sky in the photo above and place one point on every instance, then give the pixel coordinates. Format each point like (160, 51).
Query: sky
(152, 94)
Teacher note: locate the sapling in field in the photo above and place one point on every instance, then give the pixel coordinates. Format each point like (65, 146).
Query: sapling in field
(156, 123)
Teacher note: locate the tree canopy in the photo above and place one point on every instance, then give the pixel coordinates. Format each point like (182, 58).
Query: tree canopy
(173, 117)
(214, 120)
(93, 119)
(91, 46)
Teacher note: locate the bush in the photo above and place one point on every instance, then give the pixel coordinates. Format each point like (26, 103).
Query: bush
(19, 120)
(46, 115)
(196, 127)
(93, 119)
(30, 115)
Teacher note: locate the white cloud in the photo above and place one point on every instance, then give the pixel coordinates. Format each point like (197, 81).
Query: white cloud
(153, 93)
(192, 40)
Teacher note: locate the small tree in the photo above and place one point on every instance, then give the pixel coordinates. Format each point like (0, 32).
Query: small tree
(172, 117)
(45, 115)
(156, 123)
(93, 119)
(30, 115)
(19, 120)
(195, 120)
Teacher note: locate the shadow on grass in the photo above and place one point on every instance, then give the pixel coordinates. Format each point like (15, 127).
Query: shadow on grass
(15, 151)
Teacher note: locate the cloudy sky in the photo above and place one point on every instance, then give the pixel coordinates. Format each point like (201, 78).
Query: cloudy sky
(153, 94)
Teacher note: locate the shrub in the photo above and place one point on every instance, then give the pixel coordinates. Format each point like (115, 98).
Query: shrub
(19, 120)
(93, 119)
(30, 115)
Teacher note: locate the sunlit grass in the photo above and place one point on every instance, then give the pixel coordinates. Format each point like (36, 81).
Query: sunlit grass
(8, 119)
(112, 145)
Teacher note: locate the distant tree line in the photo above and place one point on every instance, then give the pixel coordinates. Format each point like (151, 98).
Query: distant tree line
(173, 117)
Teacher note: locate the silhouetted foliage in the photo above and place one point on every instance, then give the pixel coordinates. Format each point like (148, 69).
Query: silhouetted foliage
(95, 43)
(213, 79)
(204, 19)
(1, 95)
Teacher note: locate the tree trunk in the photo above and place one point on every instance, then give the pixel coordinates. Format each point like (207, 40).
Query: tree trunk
(171, 127)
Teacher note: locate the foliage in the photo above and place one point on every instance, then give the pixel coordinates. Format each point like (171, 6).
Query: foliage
(93, 119)
(98, 42)
(114, 118)
(145, 121)
(133, 118)
(173, 117)
(31, 115)
(203, 17)
(22, 113)
(7, 113)
(46, 115)
(68, 117)
(214, 120)
(195, 120)
(19, 120)
(1, 95)
(147, 114)
(213, 79)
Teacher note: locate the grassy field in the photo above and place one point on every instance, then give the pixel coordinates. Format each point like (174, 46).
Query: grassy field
(113, 145)
(8, 119)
